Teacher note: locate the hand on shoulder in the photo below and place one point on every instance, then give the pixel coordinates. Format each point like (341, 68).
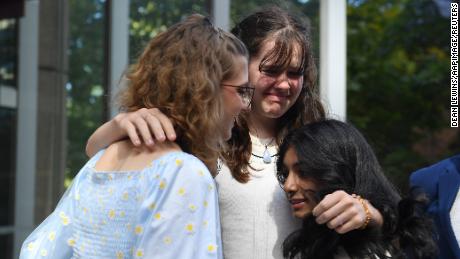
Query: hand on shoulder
(124, 156)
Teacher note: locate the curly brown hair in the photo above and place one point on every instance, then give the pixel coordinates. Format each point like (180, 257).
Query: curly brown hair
(180, 72)
(290, 34)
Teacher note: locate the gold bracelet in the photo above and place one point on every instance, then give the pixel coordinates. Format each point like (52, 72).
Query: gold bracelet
(366, 210)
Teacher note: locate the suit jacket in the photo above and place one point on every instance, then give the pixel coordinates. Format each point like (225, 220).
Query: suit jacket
(441, 183)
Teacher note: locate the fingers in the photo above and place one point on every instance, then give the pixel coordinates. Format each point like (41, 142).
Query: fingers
(345, 228)
(345, 222)
(340, 211)
(327, 203)
(142, 127)
(332, 205)
(167, 127)
(133, 135)
(146, 124)
(126, 127)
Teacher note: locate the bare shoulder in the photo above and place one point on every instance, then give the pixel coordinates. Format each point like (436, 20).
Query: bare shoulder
(124, 156)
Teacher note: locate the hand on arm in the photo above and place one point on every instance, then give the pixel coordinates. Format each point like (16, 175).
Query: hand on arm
(343, 213)
(141, 126)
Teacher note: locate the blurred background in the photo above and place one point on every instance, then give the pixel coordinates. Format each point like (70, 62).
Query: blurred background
(384, 66)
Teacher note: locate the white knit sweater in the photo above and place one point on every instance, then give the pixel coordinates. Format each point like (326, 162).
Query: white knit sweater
(255, 216)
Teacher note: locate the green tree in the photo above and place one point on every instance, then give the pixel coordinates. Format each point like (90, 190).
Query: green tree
(398, 82)
(85, 89)
(148, 18)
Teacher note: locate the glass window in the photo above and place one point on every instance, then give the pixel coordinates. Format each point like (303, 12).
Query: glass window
(8, 52)
(8, 117)
(8, 125)
(86, 108)
(148, 18)
(8, 164)
(6, 246)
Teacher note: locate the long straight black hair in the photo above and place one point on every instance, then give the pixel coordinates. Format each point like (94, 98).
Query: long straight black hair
(337, 157)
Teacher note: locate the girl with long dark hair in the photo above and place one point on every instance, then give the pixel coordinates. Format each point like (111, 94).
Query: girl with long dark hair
(325, 156)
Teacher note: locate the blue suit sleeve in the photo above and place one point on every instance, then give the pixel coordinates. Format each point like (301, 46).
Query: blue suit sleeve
(427, 180)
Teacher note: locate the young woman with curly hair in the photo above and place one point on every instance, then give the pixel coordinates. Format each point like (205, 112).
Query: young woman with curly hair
(255, 215)
(158, 202)
(325, 156)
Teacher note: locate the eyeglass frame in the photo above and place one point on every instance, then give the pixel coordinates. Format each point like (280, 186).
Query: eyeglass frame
(245, 87)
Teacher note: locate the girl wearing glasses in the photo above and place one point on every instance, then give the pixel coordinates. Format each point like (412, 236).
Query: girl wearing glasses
(255, 214)
(160, 202)
(322, 157)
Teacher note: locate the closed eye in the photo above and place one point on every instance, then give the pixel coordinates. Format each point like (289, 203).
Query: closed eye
(292, 74)
(295, 74)
(270, 72)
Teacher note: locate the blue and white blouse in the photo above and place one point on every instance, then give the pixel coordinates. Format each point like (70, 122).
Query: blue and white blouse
(167, 210)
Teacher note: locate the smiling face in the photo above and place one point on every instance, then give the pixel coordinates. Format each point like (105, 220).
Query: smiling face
(299, 190)
(233, 102)
(275, 91)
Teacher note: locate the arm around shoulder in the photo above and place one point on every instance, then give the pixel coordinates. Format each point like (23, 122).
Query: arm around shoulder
(105, 135)
(144, 123)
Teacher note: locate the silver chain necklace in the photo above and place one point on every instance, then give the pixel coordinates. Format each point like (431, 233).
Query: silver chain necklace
(267, 157)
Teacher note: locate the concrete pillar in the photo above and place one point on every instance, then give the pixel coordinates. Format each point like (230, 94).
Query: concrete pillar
(27, 124)
(333, 65)
(51, 112)
(221, 13)
(118, 49)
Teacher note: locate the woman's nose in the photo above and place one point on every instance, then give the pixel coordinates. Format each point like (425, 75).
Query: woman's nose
(291, 183)
(282, 81)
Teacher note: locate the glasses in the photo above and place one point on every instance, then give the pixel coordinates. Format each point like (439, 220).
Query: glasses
(244, 91)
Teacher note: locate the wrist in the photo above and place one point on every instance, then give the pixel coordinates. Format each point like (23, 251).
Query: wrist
(376, 217)
(115, 126)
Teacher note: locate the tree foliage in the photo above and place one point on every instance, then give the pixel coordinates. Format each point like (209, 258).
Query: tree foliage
(398, 82)
(148, 18)
(85, 89)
